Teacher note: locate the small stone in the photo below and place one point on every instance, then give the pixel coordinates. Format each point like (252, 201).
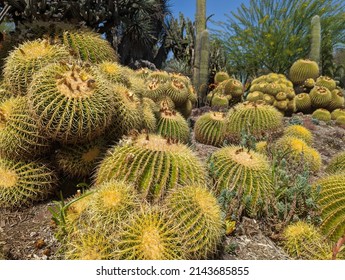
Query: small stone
(40, 243)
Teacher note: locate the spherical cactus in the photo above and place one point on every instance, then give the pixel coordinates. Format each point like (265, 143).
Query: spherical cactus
(299, 152)
(112, 72)
(177, 91)
(20, 136)
(220, 101)
(28, 58)
(220, 77)
(261, 147)
(320, 97)
(173, 125)
(337, 113)
(233, 87)
(322, 115)
(326, 82)
(247, 173)
(281, 105)
(210, 129)
(303, 103)
(303, 69)
(337, 100)
(71, 103)
(337, 164)
(160, 76)
(303, 241)
(89, 46)
(186, 109)
(300, 132)
(290, 93)
(340, 120)
(309, 83)
(80, 160)
(194, 210)
(149, 235)
(154, 90)
(269, 99)
(331, 202)
(153, 163)
(149, 121)
(23, 183)
(256, 119)
(143, 73)
(280, 96)
(254, 96)
(5, 92)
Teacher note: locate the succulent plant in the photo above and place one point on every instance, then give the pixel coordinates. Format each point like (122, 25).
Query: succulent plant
(154, 90)
(261, 147)
(177, 91)
(322, 115)
(303, 103)
(219, 101)
(337, 164)
(331, 201)
(220, 77)
(80, 160)
(173, 125)
(326, 82)
(186, 109)
(153, 163)
(303, 241)
(281, 105)
(194, 210)
(303, 69)
(71, 103)
(299, 131)
(340, 120)
(147, 111)
(149, 235)
(89, 46)
(112, 72)
(28, 58)
(299, 152)
(309, 83)
(337, 113)
(233, 87)
(246, 173)
(23, 183)
(210, 129)
(258, 119)
(254, 96)
(20, 136)
(159, 75)
(337, 100)
(320, 97)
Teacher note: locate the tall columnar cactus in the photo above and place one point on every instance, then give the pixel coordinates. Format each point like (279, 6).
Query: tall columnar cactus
(201, 51)
(315, 49)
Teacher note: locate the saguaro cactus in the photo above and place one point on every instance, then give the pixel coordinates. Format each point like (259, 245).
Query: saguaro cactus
(315, 39)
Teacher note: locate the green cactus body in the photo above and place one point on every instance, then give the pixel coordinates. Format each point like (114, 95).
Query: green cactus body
(303, 102)
(337, 100)
(20, 136)
(299, 152)
(261, 147)
(269, 99)
(24, 183)
(186, 109)
(220, 101)
(154, 90)
(80, 160)
(300, 132)
(337, 164)
(254, 96)
(113, 72)
(142, 73)
(320, 97)
(194, 210)
(322, 115)
(137, 85)
(149, 121)
(173, 125)
(315, 49)
(290, 93)
(233, 87)
(160, 76)
(210, 129)
(89, 46)
(247, 173)
(291, 106)
(71, 103)
(280, 96)
(340, 120)
(331, 201)
(309, 83)
(153, 163)
(149, 235)
(303, 69)
(28, 58)
(5, 92)
(221, 77)
(177, 91)
(281, 105)
(256, 119)
(303, 241)
(337, 113)
(326, 82)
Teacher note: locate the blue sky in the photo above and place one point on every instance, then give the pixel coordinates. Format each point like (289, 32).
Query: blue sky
(216, 7)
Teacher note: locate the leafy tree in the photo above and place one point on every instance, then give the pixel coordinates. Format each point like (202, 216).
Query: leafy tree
(270, 35)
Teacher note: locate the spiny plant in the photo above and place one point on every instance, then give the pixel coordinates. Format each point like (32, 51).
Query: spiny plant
(331, 201)
(173, 125)
(219, 101)
(303, 241)
(71, 103)
(220, 77)
(258, 119)
(303, 102)
(337, 164)
(194, 210)
(185, 109)
(80, 160)
(149, 235)
(322, 115)
(20, 136)
(246, 174)
(88, 46)
(337, 100)
(261, 147)
(233, 87)
(147, 110)
(177, 91)
(210, 129)
(299, 151)
(159, 75)
(303, 69)
(326, 82)
(113, 72)
(340, 120)
(28, 58)
(337, 113)
(299, 131)
(320, 97)
(154, 89)
(154, 164)
(23, 183)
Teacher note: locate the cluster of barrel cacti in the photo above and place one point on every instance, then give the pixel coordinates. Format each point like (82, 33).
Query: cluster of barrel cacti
(227, 91)
(274, 89)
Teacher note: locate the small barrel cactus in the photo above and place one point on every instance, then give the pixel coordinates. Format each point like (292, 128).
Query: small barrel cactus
(322, 115)
(299, 131)
(303, 69)
(303, 103)
(320, 97)
(337, 164)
